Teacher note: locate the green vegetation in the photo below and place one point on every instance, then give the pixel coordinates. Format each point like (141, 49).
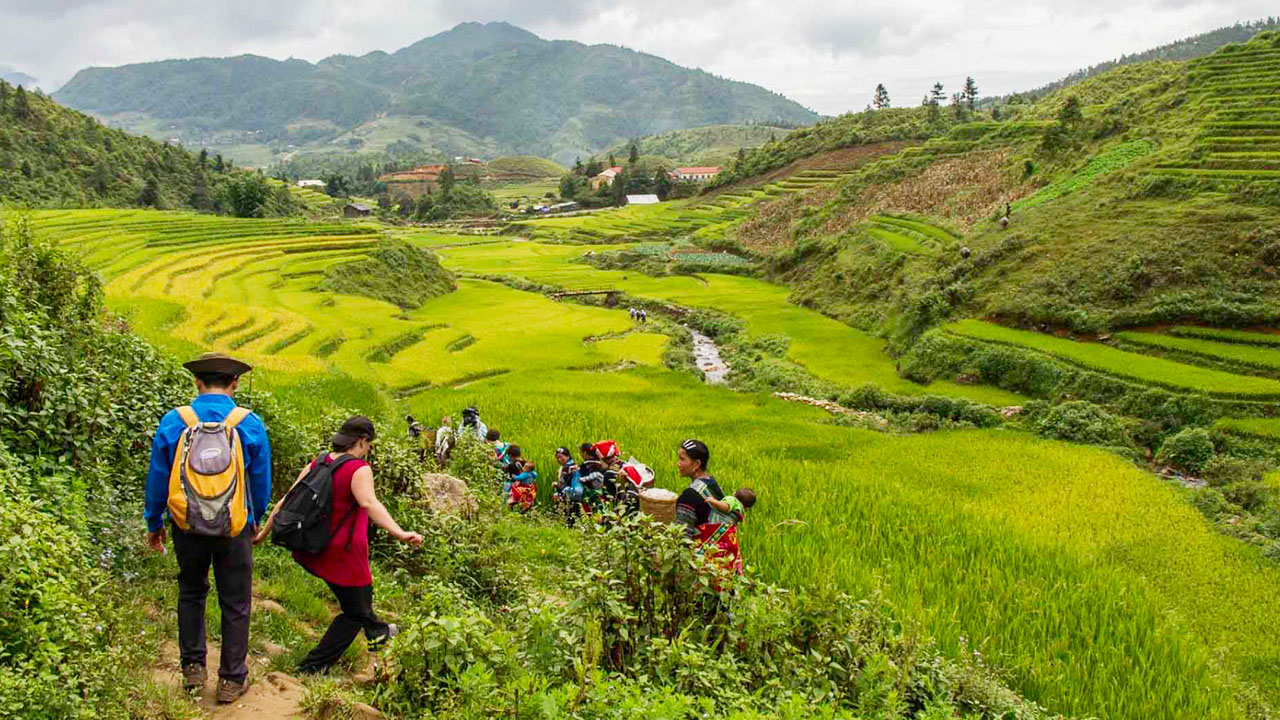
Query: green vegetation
(397, 272)
(1117, 158)
(1231, 336)
(1154, 371)
(52, 156)
(700, 146)
(1248, 356)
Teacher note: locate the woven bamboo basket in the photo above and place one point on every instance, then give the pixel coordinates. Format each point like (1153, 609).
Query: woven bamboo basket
(659, 503)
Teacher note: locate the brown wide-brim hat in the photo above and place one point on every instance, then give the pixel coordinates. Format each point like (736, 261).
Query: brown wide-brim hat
(217, 363)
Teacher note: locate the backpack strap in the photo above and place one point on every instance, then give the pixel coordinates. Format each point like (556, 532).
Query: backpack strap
(188, 415)
(336, 463)
(235, 417)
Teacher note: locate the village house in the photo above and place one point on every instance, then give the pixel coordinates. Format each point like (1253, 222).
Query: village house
(357, 210)
(694, 174)
(317, 185)
(642, 199)
(605, 178)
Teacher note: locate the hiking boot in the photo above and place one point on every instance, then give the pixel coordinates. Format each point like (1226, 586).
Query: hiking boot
(230, 690)
(193, 677)
(377, 643)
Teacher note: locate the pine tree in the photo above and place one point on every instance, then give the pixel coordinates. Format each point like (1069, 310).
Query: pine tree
(881, 100)
(447, 181)
(957, 107)
(150, 196)
(4, 96)
(634, 155)
(612, 162)
(936, 96)
(661, 183)
(20, 107)
(219, 165)
(970, 92)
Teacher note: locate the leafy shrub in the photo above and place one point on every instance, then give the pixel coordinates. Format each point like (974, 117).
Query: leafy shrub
(1189, 450)
(399, 273)
(1223, 470)
(1082, 422)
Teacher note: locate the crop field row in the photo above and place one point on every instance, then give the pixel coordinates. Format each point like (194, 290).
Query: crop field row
(1230, 336)
(1113, 160)
(1263, 358)
(1145, 369)
(703, 217)
(1242, 143)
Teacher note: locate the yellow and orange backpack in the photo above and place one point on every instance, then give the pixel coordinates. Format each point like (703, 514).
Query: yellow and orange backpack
(207, 486)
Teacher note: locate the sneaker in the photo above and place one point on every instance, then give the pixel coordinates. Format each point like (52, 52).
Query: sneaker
(193, 677)
(229, 691)
(377, 643)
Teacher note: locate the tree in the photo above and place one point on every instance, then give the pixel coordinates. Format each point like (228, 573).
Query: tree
(218, 164)
(204, 157)
(634, 155)
(957, 107)
(150, 196)
(970, 92)
(612, 162)
(936, 95)
(101, 177)
(881, 100)
(337, 185)
(200, 198)
(246, 195)
(447, 181)
(4, 96)
(661, 183)
(1071, 113)
(20, 107)
(577, 166)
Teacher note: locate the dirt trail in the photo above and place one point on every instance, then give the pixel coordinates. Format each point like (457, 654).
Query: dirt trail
(271, 695)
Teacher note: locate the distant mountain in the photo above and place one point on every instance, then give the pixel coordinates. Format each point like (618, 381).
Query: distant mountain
(1185, 49)
(13, 77)
(491, 85)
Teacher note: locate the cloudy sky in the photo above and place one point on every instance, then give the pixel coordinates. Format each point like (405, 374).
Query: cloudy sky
(827, 55)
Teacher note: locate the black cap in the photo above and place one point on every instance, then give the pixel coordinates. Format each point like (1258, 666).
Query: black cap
(697, 450)
(356, 427)
(563, 451)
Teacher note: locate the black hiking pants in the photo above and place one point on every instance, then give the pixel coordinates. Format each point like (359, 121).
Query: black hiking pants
(357, 614)
(232, 561)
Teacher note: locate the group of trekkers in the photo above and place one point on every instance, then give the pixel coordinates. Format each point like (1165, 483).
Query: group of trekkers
(602, 481)
(639, 315)
(210, 482)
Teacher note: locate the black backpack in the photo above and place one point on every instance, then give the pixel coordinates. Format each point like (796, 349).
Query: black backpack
(302, 524)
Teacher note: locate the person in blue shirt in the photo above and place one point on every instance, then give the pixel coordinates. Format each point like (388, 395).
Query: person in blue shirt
(216, 378)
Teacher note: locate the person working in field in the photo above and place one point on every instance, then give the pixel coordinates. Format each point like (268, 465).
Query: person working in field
(343, 561)
(712, 531)
(211, 476)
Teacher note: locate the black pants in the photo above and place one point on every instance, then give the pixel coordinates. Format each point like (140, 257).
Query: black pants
(232, 561)
(357, 614)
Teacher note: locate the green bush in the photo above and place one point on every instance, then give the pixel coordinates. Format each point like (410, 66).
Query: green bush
(1082, 422)
(1189, 450)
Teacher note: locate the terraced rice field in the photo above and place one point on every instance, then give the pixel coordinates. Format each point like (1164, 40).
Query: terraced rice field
(698, 217)
(1145, 369)
(1249, 355)
(911, 236)
(1238, 89)
(250, 287)
(1231, 336)
(829, 349)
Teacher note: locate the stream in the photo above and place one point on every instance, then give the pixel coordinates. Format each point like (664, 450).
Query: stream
(707, 357)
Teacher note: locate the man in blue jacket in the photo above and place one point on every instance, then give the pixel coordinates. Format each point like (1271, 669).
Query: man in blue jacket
(216, 378)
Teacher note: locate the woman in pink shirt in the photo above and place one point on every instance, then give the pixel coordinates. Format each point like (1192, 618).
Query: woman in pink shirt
(344, 564)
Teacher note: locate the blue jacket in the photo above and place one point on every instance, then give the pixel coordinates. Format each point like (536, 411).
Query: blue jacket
(257, 458)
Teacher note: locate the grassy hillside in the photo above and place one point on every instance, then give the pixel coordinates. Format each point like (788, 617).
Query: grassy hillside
(50, 155)
(525, 95)
(701, 146)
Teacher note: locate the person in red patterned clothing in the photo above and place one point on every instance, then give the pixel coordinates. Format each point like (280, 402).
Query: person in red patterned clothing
(344, 564)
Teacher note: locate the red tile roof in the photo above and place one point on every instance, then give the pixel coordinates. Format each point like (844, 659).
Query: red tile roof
(698, 170)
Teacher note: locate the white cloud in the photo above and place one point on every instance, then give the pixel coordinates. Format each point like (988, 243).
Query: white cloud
(827, 55)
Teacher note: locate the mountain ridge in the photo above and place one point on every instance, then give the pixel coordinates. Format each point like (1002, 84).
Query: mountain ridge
(554, 98)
